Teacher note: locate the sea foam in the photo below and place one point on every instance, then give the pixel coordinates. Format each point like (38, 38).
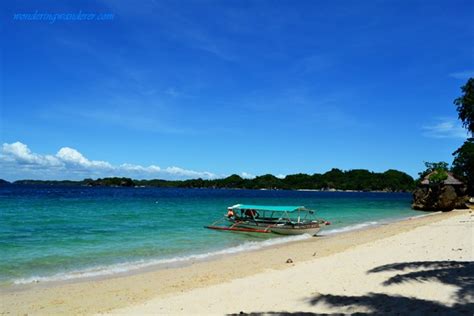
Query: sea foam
(107, 270)
(350, 228)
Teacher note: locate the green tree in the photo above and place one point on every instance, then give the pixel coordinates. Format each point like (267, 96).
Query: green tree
(267, 181)
(433, 166)
(232, 181)
(438, 176)
(395, 180)
(298, 181)
(333, 179)
(463, 164)
(437, 171)
(465, 105)
(359, 179)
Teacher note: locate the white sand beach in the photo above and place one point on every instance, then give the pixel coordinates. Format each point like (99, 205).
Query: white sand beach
(423, 264)
(427, 269)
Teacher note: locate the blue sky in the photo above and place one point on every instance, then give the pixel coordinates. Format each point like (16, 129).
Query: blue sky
(179, 89)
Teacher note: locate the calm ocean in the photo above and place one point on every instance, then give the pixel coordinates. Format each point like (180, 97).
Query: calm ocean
(60, 233)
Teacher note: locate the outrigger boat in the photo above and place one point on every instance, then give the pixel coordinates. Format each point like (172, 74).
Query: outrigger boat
(284, 220)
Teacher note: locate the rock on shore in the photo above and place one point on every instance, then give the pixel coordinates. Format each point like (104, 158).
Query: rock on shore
(436, 198)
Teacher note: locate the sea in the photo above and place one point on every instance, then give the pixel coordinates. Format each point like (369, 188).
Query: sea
(53, 233)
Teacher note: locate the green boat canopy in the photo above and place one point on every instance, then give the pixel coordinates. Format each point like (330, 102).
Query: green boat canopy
(268, 208)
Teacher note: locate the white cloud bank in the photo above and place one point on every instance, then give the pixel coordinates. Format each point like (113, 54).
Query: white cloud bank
(17, 161)
(445, 128)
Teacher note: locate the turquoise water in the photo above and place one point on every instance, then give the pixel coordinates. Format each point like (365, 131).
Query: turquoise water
(58, 233)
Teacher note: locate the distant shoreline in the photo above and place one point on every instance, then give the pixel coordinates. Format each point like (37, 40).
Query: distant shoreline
(358, 180)
(209, 188)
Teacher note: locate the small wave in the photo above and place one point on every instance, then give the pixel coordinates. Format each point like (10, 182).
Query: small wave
(373, 223)
(108, 270)
(424, 215)
(350, 228)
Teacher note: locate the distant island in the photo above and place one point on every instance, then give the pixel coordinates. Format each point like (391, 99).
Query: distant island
(335, 179)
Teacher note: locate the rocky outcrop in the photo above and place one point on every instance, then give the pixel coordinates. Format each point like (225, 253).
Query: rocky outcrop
(439, 198)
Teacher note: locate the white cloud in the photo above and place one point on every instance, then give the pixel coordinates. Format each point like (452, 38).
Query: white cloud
(71, 156)
(18, 161)
(280, 176)
(246, 175)
(132, 167)
(445, 128)
(189, 173)
(21, 154)
(462, 74)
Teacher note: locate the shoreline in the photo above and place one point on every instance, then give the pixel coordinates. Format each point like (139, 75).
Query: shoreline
(108, 294)
(199, 188)
(185, 260)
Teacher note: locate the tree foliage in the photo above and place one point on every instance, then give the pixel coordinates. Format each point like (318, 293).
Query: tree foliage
(465, 105)
(437, 171)
(463, 164)
(432, 167)
(357, 179)
(110, 182)
(438, 176)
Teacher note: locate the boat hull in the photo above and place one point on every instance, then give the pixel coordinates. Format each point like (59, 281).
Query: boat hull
(295, 231)
(311, 229)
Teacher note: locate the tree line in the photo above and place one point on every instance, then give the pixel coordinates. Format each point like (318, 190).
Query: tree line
(335, 179)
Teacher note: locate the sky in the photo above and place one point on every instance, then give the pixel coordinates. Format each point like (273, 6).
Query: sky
(187, 89)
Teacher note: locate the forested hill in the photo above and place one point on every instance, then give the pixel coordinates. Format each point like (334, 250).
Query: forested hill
(357, 179)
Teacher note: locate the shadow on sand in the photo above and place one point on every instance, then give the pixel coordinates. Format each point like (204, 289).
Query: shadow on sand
(456, 273)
